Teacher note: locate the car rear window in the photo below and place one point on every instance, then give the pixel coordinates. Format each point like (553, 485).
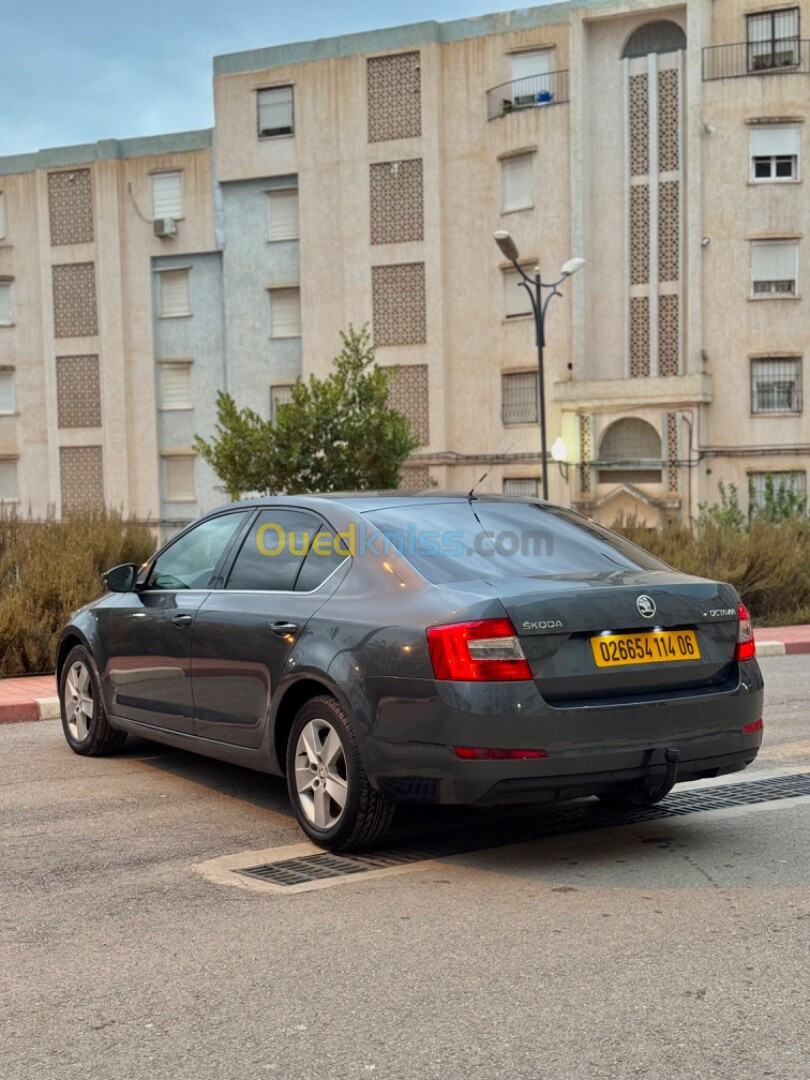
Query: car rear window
(480, 540)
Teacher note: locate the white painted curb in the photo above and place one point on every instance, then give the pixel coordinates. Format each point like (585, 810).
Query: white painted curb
(770, 648)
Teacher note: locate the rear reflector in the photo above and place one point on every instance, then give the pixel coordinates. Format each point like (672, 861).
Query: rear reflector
(484, 651)
(746, 647)
(476, 753)
(749, 729)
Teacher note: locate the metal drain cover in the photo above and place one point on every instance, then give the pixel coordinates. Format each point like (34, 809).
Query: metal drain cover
(574, 819)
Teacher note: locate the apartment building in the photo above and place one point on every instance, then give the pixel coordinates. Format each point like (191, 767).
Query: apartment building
(359, 180)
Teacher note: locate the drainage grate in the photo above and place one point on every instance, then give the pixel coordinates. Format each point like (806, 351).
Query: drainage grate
(574, 819)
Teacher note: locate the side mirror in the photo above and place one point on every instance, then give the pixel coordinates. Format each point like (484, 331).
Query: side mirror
(121, 578)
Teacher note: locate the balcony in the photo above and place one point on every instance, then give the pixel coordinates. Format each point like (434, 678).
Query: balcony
(536, 91)
(777, 56)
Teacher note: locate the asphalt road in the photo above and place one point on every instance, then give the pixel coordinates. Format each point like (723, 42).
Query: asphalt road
(669, 949)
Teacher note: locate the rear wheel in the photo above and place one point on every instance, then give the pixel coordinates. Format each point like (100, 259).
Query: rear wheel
(330, 792)
(84, 720)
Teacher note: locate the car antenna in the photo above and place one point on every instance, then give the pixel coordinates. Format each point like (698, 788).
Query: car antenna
(481, 479)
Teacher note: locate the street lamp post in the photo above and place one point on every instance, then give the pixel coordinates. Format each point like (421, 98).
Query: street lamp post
(534, 285)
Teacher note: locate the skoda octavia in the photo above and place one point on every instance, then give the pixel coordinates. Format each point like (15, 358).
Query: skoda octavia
(377, 649)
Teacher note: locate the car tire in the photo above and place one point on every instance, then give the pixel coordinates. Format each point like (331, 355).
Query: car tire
(330, 792)
(84, 720)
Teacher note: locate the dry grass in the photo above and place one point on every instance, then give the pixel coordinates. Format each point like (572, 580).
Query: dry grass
(50, 568)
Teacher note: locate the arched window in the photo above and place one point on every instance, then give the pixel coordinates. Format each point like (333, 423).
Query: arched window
(663, 36)
(630, 452)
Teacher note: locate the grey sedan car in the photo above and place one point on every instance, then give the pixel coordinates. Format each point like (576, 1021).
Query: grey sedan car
(377, 649)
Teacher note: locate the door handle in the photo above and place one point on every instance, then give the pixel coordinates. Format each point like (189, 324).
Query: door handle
(183, 620)
(284, 629)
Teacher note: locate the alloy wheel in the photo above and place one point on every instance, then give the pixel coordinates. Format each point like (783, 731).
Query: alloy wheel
(321, 780)
(78, 701)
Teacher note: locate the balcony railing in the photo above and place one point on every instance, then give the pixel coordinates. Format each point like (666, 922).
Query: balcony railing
(533, 92)
(777, 56)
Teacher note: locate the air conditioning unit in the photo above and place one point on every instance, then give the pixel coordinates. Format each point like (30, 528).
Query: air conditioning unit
(164, 226)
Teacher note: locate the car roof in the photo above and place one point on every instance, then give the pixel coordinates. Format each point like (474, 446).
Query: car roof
(365, 502)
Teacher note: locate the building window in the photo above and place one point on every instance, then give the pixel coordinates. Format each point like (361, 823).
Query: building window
(516, 183)
(2, 216)
(524, 486)
(763, 486)
(283, 214)
(530, 76)
(8, 480)
(774, 267)
(167, 195)
(275, 111)
(6, 393)
(519, 398)
(175, 297)
(285, 313)
(517, 301)
(5, 303)
(175, 385)
(774, 152)
(630, 453)
(776, 386)
(178, 475)
(773, 39)
(279, 395)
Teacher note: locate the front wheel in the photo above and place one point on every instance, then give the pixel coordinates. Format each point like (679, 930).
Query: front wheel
(84, 720)
(330, 792)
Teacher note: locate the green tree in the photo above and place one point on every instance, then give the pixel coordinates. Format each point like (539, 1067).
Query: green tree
(337, 433)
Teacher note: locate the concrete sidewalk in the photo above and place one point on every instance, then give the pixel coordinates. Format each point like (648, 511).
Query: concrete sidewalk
(35, 697)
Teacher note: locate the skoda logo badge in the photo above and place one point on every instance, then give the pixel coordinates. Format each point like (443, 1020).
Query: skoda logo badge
(646, 606)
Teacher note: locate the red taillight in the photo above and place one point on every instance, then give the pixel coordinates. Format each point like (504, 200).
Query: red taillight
(477, 753)
(746, 647)
(484, 651)
(749, 729)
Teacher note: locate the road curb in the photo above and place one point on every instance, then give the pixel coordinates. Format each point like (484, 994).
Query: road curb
(25, 712)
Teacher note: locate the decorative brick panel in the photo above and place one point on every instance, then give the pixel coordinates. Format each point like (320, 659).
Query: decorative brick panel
(82, 478)
(639, 234)
(668, 345)
(394, 91)
(639, 336)
(585, 452)
(672, 451)
(398, 304)
(70, 207)
(639, 126)
(414, 478)
(74, 300)
(408, 394)
(78, 391)
(397, 200)
(668, 228)
(668, 120)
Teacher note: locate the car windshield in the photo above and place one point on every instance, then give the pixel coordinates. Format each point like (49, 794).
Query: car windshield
(484, 540)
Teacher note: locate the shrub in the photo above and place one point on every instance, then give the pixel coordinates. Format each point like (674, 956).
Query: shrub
(50, 568)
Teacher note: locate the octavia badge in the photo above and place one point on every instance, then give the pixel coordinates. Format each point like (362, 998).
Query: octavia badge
(646, 606)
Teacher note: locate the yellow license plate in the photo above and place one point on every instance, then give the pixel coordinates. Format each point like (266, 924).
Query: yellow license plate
(652, 647)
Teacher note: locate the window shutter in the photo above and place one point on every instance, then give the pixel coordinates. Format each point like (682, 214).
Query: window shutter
(2, 215)
(774, 141)
(529, 64)
(175, 386)
(276, 111)
(5, 302)
(8, 481)
(283, 207)
(6, 391)
(174, 294)
(516, 182)
(279, 395)
(167, 195)
(516, 299)
(179, 475)
(526, 486)
(285, 313)
(773, 262)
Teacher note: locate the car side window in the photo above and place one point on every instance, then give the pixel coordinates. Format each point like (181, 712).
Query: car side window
(324, 557)
(189, 562)
(273, 550)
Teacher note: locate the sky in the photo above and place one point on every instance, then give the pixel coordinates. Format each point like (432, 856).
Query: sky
(78, 71)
